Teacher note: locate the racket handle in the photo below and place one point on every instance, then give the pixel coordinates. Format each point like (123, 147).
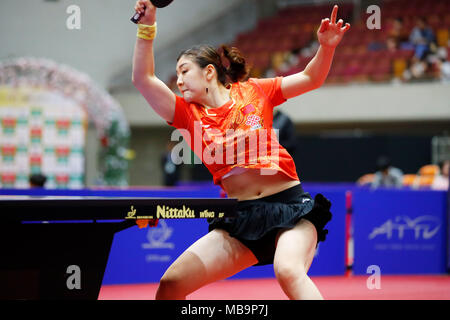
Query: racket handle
(136, 17)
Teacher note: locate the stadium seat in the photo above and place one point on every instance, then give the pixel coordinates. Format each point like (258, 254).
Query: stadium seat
(446, 20)
(442, 37)
(400, 54)
(399, 66)
(429, 170)
(426, 181)
(434, 21)
(382, 70)
(409, 180)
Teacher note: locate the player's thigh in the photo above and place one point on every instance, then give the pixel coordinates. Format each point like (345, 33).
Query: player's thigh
(213, 257)
(296, 247)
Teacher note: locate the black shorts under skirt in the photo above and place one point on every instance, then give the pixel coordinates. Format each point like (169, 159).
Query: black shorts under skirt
(258, 221)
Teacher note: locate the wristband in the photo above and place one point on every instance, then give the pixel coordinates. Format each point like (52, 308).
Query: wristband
(146, 32)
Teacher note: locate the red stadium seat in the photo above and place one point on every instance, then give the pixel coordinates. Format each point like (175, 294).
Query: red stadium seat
(303, 62)
(400, 54)
(375, 55)
(338, 69)
(382, 70)
(368, 68)
(446, 20)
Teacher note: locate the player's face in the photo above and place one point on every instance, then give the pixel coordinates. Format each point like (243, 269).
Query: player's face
(191, 80)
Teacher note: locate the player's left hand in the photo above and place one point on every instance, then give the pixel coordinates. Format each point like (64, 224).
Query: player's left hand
(330, 33)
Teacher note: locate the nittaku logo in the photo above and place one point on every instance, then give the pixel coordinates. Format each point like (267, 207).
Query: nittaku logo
(423, 227)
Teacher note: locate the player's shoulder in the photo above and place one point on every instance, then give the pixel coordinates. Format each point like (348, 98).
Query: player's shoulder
(248, 84)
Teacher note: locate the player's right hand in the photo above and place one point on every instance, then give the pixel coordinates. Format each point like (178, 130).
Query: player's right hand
(149, 10)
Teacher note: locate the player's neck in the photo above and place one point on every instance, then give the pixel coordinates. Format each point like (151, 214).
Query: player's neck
(217, 96)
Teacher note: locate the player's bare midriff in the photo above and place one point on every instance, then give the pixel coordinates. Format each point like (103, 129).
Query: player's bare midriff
(251, 184)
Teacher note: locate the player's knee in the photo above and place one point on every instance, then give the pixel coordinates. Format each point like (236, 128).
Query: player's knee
(289, 273)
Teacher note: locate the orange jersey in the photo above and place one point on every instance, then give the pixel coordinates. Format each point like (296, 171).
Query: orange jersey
(238, 133)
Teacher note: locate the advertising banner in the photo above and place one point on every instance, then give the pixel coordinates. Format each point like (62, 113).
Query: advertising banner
(400, 231)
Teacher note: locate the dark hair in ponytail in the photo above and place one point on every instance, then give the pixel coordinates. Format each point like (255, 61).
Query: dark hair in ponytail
(238, 68)
(234, 69)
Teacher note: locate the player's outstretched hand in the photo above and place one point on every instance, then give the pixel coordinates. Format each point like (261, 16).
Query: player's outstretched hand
(330, 33)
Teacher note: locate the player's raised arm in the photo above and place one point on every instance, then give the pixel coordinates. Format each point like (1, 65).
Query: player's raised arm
(329, 35)
(157, 94)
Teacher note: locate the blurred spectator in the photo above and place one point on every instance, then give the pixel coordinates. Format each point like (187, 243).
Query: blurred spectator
(397, 31)
(286, 134)
(391, 44)
(376, 45)
(387, 175)
(37, 180)
(423, 39)
(171, 171)
(417, 69)
(283, 64)
(310, 50)
(444, 70)
(441, 181)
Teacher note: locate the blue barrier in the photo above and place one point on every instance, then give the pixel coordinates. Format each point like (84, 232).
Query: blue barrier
(401, 231)
(159, 192)
(143, 255)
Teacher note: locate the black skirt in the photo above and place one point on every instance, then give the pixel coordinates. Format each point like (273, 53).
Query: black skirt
(258, 221)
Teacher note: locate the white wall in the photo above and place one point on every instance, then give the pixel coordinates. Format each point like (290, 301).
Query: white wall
(104, 44)
(384, 102)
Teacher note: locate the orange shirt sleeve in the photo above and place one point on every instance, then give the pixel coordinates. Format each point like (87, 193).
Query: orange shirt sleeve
(182, 115)
(272, 89)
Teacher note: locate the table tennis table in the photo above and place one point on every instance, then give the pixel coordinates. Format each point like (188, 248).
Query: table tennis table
(46, 241)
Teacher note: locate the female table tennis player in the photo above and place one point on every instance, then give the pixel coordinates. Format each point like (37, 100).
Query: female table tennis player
(277, 223)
